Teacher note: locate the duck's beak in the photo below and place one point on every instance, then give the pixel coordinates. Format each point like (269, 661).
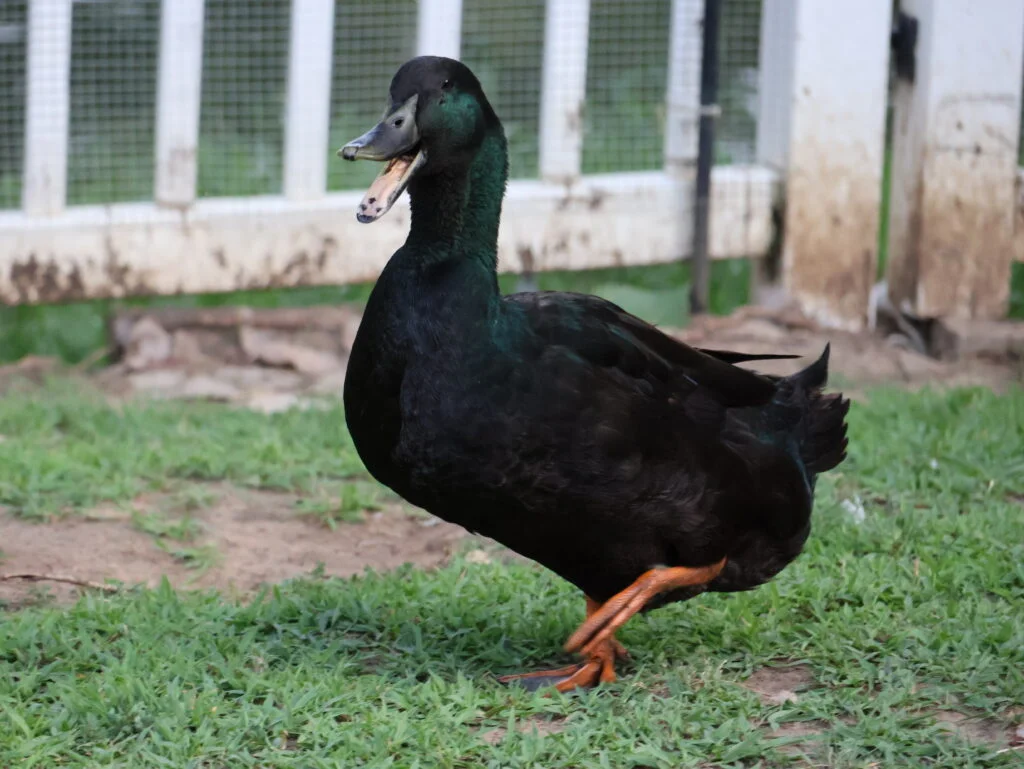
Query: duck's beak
(394, 139)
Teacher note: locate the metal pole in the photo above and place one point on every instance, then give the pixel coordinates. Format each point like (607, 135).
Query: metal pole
(709, 111)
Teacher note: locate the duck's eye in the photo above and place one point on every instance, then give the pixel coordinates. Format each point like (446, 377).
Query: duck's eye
(398, 122)
(446, 85)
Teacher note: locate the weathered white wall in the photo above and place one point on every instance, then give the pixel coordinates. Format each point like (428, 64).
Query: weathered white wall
(954, 172)
(823, 96)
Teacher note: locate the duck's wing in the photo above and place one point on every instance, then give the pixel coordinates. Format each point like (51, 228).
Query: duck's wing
(731, 356)
(602, 334)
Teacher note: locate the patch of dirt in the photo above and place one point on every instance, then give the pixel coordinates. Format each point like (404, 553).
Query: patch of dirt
(984, 731)
(780, 685)
(89, 550)
(802, 737)
(271, 360)
(256, 535)
(857, 360)
(32, 370)
(535, 724)
(262, 541)
(776, 686)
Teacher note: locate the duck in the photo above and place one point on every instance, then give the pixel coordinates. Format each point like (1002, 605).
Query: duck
(640, 469)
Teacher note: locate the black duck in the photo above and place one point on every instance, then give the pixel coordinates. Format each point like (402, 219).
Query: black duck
(640, 469)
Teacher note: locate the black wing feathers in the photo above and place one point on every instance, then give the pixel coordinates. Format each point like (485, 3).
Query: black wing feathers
(605, 335)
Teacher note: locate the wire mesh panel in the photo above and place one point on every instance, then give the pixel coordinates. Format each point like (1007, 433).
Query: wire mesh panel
(503, 43)
(115, 44)
(245, 69)
(739, 43)
(372, 38)
(114, 48)
(13, 33)
(627, 70)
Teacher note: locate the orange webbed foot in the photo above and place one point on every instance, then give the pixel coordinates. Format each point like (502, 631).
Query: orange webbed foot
(599, 667)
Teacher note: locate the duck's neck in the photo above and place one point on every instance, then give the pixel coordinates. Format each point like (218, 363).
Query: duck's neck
(455, 216)
(488, 176)
(438, 206)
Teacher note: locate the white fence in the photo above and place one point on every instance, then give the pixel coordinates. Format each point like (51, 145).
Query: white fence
(183, 242)
(600, 100)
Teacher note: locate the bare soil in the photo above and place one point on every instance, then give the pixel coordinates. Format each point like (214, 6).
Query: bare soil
(786, 683)
(255, 537)
(859, 361)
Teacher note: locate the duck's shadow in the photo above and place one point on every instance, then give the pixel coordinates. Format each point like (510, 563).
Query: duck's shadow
(328, 623)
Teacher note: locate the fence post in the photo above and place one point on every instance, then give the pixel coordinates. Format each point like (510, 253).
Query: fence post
(954, 165)
(439, 28)
(309, 99)
(563, 89)
(47, 108)
(683, 93)
(823, 89)
(179, 90)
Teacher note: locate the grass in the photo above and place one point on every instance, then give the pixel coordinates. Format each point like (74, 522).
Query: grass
(347, 504)
(198, 557)
(156, 524)
(65, 451)
(914, 609)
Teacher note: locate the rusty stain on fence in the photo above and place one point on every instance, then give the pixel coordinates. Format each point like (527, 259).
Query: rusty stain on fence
(831, 234)
(955, 209)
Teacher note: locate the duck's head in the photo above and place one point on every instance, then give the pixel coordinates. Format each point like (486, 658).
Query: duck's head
(435, 122)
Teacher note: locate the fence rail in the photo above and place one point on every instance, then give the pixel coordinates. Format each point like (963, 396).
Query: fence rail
(229, 244)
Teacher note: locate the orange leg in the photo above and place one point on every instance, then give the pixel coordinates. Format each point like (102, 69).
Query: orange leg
(598, 630)
(620, 651)
(598, 667)
(595, 638)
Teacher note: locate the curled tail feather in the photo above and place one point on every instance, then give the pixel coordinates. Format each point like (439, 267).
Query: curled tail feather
(823, 443)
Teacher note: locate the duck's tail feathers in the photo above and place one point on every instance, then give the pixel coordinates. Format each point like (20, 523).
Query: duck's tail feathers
(823, 440)
(815, 376)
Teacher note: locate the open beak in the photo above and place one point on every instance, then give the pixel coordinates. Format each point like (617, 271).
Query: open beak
(395, 139)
